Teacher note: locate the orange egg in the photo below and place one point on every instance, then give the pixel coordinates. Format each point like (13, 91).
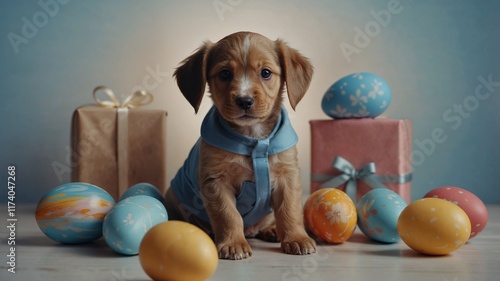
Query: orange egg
(434, 226)
(330, 215)
(177, 250)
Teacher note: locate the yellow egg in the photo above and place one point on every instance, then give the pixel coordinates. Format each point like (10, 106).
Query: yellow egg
(177, 250)
(434, 226)
(330, 215)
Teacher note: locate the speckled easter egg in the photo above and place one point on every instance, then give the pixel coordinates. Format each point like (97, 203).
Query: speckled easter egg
(358, 95)
(378, 213)
(142, 188)
(434, 226)
(330, 215)
(129, 220)
(470, 203)
(74, 212)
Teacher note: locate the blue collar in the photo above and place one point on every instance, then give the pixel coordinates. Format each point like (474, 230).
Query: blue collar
(216, 132)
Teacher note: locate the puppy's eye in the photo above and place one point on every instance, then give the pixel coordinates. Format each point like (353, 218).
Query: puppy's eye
(265, 73)
(225, 74)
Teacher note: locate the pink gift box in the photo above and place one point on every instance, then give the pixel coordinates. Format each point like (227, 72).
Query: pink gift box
(381, 144)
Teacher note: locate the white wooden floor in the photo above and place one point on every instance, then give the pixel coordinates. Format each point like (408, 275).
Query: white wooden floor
(39, 258)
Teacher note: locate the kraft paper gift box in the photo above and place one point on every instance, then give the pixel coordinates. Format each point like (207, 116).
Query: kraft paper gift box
(115, 145)
(367, 153)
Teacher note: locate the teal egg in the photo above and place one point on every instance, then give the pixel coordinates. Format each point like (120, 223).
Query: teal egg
(129, 220)
(378, 214)
(73, 213)
(358, 95)
(143, 188)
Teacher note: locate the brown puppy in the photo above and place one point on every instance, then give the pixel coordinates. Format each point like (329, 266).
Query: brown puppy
(246, 73)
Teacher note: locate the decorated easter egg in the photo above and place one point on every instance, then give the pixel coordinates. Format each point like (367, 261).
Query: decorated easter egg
(470, 203)
(177, 250)
(129, 220)
(358, 95)
(74, 212)
(434, 226)
(143, 188)
(330, 215)
(378, 213)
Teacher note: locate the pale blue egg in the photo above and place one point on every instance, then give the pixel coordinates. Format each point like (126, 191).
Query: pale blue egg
(142, 188)
(358, 95)
(129, 220)
(378, 213)
(74, 212)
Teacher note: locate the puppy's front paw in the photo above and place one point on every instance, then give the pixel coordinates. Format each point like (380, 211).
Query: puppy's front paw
(302, 245)
(234, 250)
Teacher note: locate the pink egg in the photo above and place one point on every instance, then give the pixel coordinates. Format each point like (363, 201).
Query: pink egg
(470, 203)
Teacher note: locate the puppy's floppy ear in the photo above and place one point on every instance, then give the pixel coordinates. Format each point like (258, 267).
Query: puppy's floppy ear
(191, 76)
(297, 71)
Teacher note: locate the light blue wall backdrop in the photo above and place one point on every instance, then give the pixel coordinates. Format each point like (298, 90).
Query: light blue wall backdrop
(435, 55)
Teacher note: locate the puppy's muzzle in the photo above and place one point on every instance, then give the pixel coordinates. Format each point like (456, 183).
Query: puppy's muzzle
(245, 103)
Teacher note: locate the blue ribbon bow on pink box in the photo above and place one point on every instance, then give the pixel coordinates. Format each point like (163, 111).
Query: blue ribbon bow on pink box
(349, 174)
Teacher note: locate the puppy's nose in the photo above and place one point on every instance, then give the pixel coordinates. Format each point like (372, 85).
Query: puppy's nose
(244, 102)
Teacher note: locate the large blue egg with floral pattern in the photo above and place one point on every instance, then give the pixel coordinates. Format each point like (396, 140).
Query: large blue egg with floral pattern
(358, 95)
(129, 220)
(378, 213)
